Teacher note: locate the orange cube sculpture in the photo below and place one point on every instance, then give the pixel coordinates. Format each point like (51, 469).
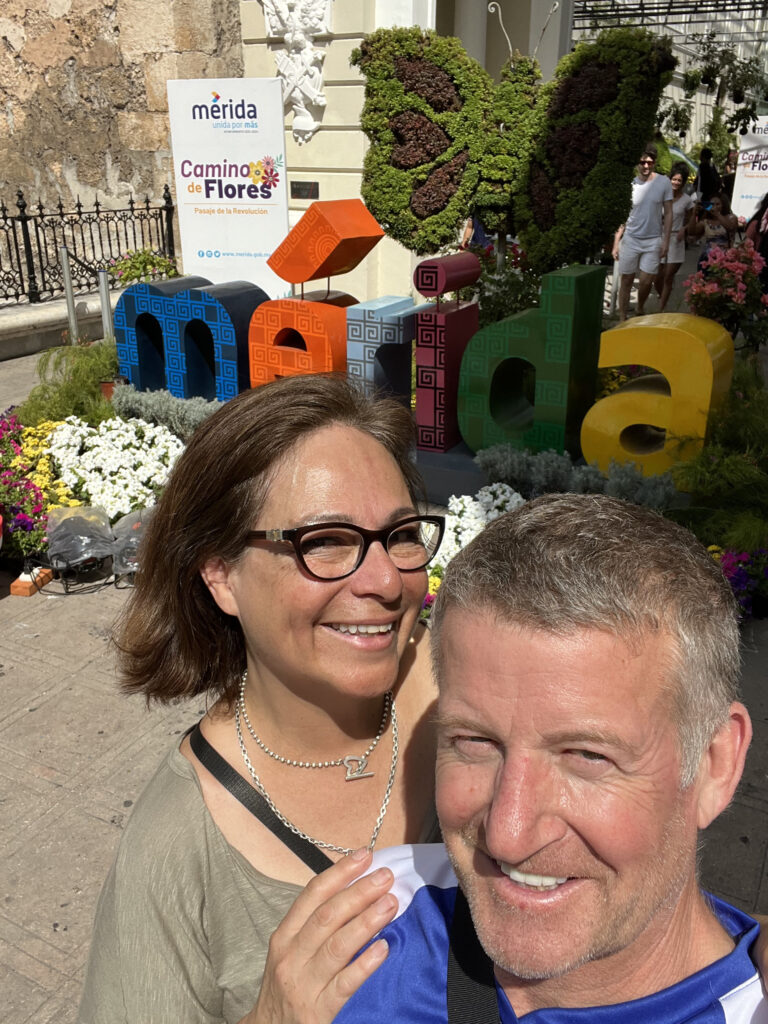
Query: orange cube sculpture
(331, 238)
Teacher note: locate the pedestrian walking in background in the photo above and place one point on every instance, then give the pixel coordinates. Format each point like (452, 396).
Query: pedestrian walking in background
(643, 241)
(683, 206)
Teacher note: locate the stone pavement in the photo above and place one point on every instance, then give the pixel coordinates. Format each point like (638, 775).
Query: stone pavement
(17, 378)
(75, 754)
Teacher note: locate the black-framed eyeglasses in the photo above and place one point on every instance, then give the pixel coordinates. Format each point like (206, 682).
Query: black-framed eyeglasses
(331, 551)
(647, 161)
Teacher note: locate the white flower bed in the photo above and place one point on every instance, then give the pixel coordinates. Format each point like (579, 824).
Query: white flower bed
(468, 516)
(119, 465)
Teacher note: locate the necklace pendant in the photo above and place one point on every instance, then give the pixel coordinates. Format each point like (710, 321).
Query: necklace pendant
(356, 768)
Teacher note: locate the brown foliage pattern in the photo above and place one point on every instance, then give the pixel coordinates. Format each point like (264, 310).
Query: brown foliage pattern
(419, 141)
(429, 82)
(434, 194)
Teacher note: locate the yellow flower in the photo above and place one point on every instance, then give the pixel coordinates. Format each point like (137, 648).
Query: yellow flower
(434, 584)
(64, 503)
(716, 551)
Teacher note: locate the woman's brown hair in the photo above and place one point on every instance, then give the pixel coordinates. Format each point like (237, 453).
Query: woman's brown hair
(173, 640)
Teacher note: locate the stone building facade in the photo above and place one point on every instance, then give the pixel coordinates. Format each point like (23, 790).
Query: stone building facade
(84, 112)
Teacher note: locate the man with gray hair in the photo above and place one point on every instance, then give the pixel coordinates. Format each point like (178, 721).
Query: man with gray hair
(587, 657)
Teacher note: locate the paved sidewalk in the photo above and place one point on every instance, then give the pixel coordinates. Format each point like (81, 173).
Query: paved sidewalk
(17, 378)
(75, 754)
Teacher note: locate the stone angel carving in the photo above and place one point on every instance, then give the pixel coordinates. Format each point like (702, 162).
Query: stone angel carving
(300, 65)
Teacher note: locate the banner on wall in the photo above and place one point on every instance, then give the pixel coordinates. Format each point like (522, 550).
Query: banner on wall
(751, 182)
(228, 145)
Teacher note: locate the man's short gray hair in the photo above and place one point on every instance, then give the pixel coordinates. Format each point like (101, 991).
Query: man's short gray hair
(565, 562)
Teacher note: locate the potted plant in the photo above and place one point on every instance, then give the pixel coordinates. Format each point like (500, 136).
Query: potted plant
(107, 385)
(727, 289)
(142, 265)
(70, 384)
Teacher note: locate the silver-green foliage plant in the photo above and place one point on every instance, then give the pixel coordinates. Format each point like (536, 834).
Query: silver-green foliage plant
(549, 472)
(624, 480)
(181, 416)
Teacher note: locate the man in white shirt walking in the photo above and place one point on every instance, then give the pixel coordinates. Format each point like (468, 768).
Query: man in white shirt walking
(645, 236)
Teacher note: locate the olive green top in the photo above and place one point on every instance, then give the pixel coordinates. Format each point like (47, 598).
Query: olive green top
(184, 920)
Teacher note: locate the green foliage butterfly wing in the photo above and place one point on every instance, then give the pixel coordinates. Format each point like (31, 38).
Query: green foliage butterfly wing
(552, 163)
(594, 118)
(426, 103)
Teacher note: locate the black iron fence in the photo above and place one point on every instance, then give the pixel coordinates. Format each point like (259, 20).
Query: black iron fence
(30, 241)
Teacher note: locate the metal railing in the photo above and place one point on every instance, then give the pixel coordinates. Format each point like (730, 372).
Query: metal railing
(30, 242)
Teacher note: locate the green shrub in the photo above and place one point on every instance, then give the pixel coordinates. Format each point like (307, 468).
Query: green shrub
(180, 415)
(720, 139)
(741, 423)
(731, 529)
(511, 288)
(143, 265)
(69, 385)
(427, 111)
(600, 111)
(728, 480)
(723, 478)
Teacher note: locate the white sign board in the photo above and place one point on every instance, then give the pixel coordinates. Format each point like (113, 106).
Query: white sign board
(228, 144)
(751, 182)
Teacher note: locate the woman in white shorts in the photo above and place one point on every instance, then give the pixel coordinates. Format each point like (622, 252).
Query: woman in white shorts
(682, 212)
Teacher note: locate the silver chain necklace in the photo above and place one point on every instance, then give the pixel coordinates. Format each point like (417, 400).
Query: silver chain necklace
(355, 764)
(289, 824)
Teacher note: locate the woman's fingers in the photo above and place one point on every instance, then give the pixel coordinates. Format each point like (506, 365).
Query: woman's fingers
(341, 944)
(344, 984)
(323, 886)
(346, 920)
(312, 966)
(337, 962)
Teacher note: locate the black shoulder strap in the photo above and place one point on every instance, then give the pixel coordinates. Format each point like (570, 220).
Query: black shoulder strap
(224, 773)
(471, 988)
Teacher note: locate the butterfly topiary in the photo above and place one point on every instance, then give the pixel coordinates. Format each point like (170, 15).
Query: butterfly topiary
(552, 163)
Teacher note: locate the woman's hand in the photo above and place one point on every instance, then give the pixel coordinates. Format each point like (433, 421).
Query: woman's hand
(310, 973)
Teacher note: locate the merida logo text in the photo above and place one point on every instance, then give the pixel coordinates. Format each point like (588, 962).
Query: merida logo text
(239, 110)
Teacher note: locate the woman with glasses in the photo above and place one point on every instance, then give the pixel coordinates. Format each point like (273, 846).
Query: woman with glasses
(281, 578)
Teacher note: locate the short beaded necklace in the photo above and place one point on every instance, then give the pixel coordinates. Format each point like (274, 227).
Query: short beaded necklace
(321, 844)
(354, 764)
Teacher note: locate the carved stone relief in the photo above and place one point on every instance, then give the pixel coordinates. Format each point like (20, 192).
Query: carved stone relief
(300, 64)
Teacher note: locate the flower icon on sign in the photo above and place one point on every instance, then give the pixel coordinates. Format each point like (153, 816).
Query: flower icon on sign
(257, 172)
(271, 178)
